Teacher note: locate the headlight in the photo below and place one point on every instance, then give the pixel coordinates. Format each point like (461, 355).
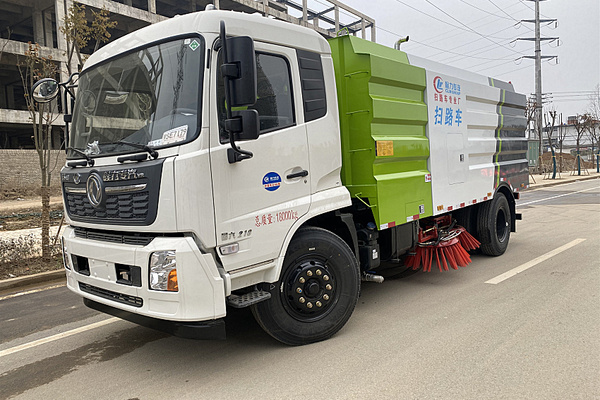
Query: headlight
(163, 271)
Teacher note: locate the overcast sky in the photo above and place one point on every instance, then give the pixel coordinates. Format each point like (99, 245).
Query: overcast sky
(477, 35)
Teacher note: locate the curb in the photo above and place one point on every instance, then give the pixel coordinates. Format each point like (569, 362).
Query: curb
(555, 182)
(42, 277)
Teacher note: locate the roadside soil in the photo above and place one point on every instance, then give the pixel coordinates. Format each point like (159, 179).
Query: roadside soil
(568, 162)
(25, 213)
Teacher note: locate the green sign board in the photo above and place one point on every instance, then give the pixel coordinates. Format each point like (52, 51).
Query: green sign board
(533, 152)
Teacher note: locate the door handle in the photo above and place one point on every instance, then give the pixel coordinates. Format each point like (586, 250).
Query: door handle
(300, 174)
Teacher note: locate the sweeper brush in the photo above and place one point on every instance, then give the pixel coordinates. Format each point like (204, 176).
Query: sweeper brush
(442, 242)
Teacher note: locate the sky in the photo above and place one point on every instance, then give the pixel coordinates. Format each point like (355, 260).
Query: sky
(479, 36)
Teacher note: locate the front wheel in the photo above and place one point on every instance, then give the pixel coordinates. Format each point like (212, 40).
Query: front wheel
(317, 291)
(494, 225)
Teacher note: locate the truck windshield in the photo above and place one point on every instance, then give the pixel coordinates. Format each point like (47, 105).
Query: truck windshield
(146, 97)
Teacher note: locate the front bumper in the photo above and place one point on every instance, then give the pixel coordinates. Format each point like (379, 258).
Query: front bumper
(207, 330)
(201, 294)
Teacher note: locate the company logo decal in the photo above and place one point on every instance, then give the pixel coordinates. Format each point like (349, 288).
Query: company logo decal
(438, 84)
(271, 181)
(447, 87)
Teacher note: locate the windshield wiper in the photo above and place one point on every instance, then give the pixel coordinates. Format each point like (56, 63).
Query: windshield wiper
(89, 160)
(153, 153)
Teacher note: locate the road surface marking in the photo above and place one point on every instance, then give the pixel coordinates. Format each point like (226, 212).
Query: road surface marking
(534, 262)
(58, 336)
(557, 196)
(10, 296)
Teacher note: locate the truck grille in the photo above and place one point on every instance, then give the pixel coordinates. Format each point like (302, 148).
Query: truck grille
(103, 236)
(122, 207)
(110, 295)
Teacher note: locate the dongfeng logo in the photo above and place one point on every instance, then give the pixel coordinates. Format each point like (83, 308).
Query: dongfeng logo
(95, 189)
(438, 84)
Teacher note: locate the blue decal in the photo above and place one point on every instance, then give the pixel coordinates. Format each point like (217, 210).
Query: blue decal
(458, 116)
(438, 115)
(271, 181)
(449, 116)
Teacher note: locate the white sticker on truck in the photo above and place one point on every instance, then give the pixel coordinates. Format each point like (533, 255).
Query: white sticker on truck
(174, 135)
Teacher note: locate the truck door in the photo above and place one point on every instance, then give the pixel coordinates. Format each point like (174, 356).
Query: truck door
(259, 199)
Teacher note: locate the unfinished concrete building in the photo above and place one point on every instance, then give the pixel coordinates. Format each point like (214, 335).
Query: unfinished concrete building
(39, 21)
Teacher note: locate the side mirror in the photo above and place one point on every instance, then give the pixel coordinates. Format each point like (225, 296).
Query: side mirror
(240, 67)
(243, 124)
(45, 90)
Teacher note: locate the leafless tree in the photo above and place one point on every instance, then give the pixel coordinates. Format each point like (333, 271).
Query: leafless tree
(79, 33)
(561, 135)
(581, 128)
(594, 123)
(33, 67)
(550, 123)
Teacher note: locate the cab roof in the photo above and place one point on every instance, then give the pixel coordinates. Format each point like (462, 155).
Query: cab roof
(256, 26)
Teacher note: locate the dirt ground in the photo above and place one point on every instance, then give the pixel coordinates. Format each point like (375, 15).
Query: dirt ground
(568, 162)
(25, 213)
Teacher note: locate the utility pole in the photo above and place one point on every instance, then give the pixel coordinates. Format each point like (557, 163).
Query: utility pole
(538, 67)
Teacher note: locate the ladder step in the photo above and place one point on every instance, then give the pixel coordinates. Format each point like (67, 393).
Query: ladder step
(248, 299)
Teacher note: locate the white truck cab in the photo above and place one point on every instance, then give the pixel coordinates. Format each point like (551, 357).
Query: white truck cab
(222, 226)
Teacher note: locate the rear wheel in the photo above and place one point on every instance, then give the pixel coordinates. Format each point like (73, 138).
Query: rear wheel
(494, 225)
(317, 291)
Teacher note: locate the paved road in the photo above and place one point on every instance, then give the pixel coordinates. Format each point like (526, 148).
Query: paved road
(534, 335)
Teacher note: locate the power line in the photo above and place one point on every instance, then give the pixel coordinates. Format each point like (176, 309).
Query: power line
(485, 11)
(467, 29)
(466, 26)
(510, 16)
(446, 51)
(483, 50)
(513, 71)
(473, 41)
(446, 36)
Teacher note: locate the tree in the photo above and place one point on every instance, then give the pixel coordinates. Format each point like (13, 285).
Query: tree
(581, 127)
(594, 123)
(561, 135)
(33, 67)
(550, 130)
(78, 32)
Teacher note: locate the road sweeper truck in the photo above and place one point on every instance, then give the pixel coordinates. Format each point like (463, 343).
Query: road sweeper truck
(220, 159)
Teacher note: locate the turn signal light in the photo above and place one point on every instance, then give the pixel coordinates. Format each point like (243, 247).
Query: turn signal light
(172, 283)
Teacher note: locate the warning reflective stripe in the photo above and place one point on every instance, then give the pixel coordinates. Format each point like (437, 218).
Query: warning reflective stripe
(388, 225)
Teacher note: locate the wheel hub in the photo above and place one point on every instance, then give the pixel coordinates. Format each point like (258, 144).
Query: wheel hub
(309, 290)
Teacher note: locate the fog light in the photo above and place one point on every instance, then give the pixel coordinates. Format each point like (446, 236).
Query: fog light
(163, 271)
(64, 253)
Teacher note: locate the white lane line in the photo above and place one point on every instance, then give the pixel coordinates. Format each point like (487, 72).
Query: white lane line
(557, 196)
(532, 263)
(10, 296)
(58, 336)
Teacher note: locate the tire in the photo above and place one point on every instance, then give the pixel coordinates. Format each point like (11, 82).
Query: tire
(494, 225)
(317, 291)
(467, 218)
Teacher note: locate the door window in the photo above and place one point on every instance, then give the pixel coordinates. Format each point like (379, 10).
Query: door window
(274, 101)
